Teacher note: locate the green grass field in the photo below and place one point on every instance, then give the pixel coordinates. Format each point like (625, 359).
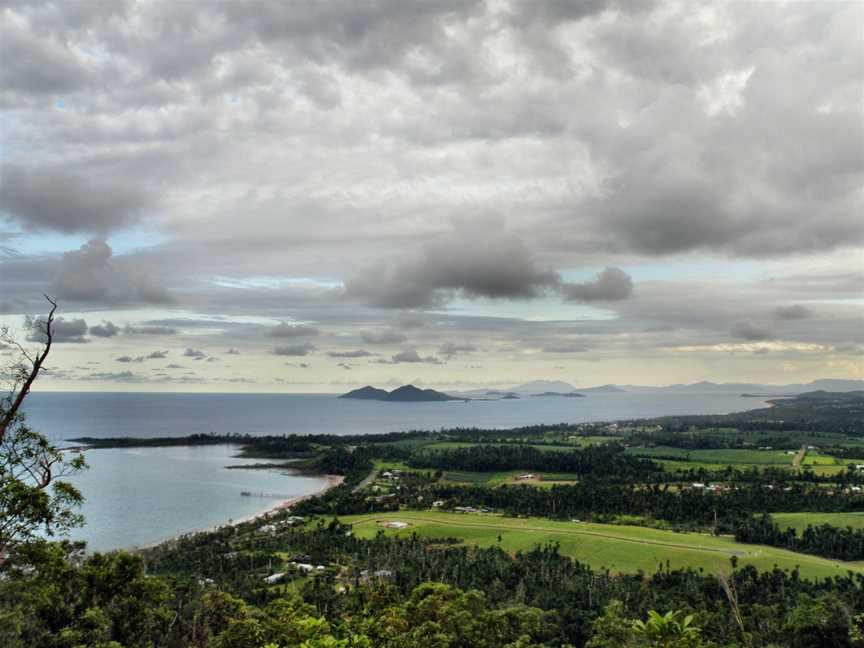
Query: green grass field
(723, 456)
(616, 547)
(543, 447)
(800, 521)
(545, 480)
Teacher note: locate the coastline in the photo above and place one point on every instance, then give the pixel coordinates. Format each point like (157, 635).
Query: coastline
(331, 481)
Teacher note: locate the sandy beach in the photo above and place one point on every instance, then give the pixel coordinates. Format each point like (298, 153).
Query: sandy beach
(331, 482)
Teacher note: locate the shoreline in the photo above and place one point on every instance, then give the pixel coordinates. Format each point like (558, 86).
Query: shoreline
(331, 481)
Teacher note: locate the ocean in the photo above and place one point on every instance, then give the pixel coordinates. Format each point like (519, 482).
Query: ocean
(139, 496)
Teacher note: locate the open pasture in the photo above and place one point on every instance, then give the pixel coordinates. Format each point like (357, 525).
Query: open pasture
(619, 548)
(799, 521)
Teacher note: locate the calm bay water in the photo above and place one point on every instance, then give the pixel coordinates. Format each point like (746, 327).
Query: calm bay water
(143, 495)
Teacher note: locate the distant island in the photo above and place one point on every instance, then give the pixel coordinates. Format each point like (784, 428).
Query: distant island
(404, 394)
(559, 394)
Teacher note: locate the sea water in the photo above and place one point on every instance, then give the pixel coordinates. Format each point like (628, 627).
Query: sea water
(137, 496)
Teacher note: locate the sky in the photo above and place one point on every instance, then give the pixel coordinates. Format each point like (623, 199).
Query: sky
(310, 196)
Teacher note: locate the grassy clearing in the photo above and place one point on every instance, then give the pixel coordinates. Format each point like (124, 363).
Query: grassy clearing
(543, 479)
(615, 547)
(543, 447)
(724, 456)
(799, 521)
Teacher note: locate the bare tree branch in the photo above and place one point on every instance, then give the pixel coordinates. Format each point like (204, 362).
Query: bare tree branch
(35, 367)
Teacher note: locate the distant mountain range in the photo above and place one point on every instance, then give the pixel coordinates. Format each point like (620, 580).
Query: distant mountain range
(825, 384)
(404, 394)
(560, 388)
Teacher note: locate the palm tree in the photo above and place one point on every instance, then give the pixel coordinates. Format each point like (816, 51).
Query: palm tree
(668, 630)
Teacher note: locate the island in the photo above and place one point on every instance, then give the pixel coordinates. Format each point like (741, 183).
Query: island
(404, 394)
(559, 394)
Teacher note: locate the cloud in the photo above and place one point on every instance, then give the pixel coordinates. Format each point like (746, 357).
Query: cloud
(565, 347)
(383, 337)
(116, 376)
(195, 354)
(293, 349)
(49, 198)
(792, 312)
(286, 330)
(449, 349)
(850, 349)
(411, 356)
(751, 331)
(488, 187)
(63, 330)
(358, 353)
(232, 352)
(342, 365)
(472, 263)
(105, 330)
(90, 274)
(155, 355)
(612, 284)
(408, 321)
(149, 330)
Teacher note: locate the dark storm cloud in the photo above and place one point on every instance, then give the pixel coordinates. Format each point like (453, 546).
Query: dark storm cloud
(792, 312)
(105, 330)
(295, 350)
(195, 354)
(56, 199)
(286, 330)
(63, 330)
(472, 262)
(751, 331)
(613, 284)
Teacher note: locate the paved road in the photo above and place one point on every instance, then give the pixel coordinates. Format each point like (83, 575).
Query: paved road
(366, 481)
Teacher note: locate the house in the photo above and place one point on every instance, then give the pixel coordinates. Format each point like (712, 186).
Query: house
(437, 503)
(274, 578)
(306, 568)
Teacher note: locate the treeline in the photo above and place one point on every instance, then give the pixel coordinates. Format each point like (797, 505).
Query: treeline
(563, 597)
(843, 543)
(607, 459)
(695, 508)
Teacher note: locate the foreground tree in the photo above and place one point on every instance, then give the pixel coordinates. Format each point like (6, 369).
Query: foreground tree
(35, 498)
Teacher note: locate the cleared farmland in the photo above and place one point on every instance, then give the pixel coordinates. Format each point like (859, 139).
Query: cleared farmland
(616, 547)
